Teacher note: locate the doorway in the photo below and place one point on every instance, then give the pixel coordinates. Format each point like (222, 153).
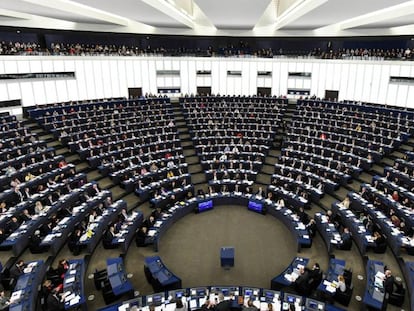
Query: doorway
(134, 92)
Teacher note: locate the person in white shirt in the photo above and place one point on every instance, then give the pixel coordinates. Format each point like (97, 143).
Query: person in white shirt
(341, 286)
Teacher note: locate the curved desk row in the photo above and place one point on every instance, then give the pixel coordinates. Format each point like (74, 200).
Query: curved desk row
(235, 297)
(24, 296)
(181, 209)
(57, 238)
(128, 230)
(93, 234)
(329, 233)
(395, 237)
(360, 235)
(73, 285)
(37, 112)
(19, 239)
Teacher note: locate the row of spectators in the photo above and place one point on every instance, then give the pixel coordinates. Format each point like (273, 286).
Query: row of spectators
(32, 48)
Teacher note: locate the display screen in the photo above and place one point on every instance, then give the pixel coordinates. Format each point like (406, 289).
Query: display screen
(204, 206)
(255, 206)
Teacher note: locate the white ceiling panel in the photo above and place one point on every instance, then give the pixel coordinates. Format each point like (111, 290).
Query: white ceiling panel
(29, 8)
(213, 17)
(233, 14)
(335, 11)
(394, 22)
(135, 10)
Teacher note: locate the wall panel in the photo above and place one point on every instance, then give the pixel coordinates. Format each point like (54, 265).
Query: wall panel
(111, 76)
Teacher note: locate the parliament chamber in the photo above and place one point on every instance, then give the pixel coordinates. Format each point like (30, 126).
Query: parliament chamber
(188, 155)
(103, 182)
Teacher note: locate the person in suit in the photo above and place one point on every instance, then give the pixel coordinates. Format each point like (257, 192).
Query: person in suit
(346, 240)
(222, 305)
(108, 237)
(17, 269)
(388, 282)
(4, 301)
(149, 222)
(303, 216)
(301, 282)
(54, 301)
(17, 196)
(73, 242)
(13, 225)
(250, 306)
(124, 215)
(141, 236)
(26, 193)
(314, 276)
(34, 243)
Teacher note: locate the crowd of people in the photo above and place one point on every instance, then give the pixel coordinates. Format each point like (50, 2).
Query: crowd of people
(242, 50)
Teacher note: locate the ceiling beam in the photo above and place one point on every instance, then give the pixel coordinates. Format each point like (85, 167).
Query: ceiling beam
(172, 9)
(83, 10)
(268, 17)
(297, 10)
(14, 14)
(392, 12)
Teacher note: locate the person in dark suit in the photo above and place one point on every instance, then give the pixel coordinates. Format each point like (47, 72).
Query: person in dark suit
(73, 243)
(17, 269)
(25, 216)
(388, 282)
(108, 237)
(223, 305)
(34, 243)
(55, 302)
(303, 216)
(149, 222)
(314, 276)
(141, 236)
(13, 225)
(17, 196)
(301, 282)
(346, 240)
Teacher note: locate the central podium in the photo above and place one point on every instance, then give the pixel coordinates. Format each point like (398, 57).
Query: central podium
(227, 257)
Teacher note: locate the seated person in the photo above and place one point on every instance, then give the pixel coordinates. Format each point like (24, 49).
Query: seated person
(341, 286)
(250, 306)
(301, 283)
(141, 237)
(4, 301)
(345, 203)
(17, 269)
(388, 282)
(314, 276)
(346, 240)
(34, 243)
(108, 237)
(73, 242)
(379, 240)
(311, 227)
(55, 302)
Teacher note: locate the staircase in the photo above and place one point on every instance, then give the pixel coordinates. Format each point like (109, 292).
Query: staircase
(264, 177)
(198, 178)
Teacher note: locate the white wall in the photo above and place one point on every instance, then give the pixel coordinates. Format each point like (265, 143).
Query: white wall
(98, 77)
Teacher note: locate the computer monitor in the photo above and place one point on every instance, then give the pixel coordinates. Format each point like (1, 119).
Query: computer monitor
(255, 206)
(198, 291)
(205, 206)
(314, 305)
